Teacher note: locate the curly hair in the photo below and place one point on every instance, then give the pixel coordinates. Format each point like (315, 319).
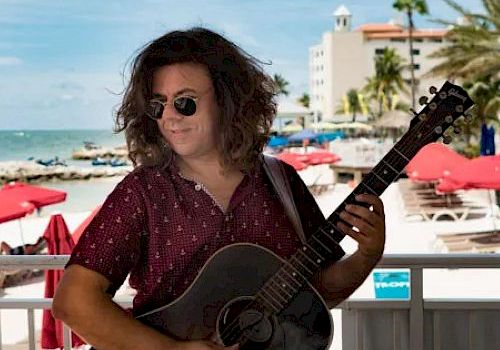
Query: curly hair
(244, 93)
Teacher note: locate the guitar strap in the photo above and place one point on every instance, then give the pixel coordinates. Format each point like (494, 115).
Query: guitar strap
(277, 175)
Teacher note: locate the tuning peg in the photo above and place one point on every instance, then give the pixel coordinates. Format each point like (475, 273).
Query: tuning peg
(423, 117)
(433, 90)
(438, 130)
(459, 108)
(447, 139)
(432, 106)
(468, 117)
(442, 95)
(448, 119)
(457, 130)
(423, 100)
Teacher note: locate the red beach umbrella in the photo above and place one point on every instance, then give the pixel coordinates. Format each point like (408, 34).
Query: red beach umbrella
(322, 157)
(433, 162)
(297, 160)
(59, 242)
(480, 172)
(36, 195)
(11, 210)
(77, 233)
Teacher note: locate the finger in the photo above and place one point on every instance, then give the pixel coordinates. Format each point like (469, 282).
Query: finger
(375, 201)
(349, 231)
(364, 213)
(365, 227)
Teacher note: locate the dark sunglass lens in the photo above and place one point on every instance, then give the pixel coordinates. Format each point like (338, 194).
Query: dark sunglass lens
(185, 106)
(155, 109)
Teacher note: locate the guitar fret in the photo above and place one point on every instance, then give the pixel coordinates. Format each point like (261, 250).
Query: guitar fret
(324, 246)
(269, 288)
(286, 282)
(265, 301)
(369, 188)
(308, 258)
(292, 277)
(328, 235)
(305, 267)
(380, 178)
(272, 298)
(281, 288)
(401, 154)
(297, 270)
(314, 251)
(390, 166)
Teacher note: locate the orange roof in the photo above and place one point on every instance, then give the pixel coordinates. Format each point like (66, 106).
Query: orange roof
(379, 27)
(438, 33)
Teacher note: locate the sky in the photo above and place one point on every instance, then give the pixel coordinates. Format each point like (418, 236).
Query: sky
(64, 63)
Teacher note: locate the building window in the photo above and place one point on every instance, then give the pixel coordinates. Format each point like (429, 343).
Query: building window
(379, 51)
(416, 52)
(398, 40)
(345, 21)
(416, 66)
(436, 40)
(418, 40)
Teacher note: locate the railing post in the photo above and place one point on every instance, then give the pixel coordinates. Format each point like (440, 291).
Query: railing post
(31, 329)
(416, 309)
(68, 342)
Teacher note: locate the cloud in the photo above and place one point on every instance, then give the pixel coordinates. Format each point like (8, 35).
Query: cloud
(10, 61)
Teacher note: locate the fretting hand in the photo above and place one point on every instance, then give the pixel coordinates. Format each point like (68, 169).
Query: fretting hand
(369, 221)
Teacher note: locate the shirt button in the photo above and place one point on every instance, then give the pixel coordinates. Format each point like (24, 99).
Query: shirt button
(227, 218)
(197, 187)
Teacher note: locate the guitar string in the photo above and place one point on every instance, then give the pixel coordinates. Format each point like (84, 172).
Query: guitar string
(228, 332)
(413, 147)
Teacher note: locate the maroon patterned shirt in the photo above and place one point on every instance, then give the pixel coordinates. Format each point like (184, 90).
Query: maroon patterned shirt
(161, 228)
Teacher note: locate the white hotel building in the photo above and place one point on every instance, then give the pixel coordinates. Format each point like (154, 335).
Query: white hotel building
(345, 59)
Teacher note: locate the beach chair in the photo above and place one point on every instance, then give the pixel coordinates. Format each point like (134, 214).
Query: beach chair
(317, 188)
(483, 242)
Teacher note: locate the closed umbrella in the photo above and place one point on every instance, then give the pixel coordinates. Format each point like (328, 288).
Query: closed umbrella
(77, 233)
(59, 242)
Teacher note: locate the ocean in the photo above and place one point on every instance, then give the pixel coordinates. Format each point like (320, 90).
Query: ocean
(46, 144)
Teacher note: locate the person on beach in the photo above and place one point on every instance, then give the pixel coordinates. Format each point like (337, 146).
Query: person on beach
(196, 113)
(27, 249)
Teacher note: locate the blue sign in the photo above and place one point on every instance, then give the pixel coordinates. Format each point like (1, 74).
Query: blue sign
(392, 285)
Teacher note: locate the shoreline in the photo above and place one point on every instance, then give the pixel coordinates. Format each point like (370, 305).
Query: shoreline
(31, 172)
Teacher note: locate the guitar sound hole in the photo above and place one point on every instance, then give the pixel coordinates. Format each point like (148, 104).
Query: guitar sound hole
(242, 320)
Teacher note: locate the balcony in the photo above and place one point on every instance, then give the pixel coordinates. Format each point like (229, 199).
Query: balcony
(416, 323)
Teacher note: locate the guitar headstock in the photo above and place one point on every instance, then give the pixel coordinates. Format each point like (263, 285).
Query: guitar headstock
(438, 116)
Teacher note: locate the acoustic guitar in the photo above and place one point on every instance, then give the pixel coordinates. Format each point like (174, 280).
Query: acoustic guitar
(246, 294)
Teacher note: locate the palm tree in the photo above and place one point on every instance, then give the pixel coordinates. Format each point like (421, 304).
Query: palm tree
(304, 100)
(354, 103)
(474, 49)
(388, 80)
(281, 85)
(486, 96)
(473, 56)
(409, 7)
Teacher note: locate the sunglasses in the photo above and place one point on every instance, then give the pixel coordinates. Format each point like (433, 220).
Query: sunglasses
(184, 105)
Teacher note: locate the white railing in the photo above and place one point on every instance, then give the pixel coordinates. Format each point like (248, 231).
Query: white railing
(351, 325)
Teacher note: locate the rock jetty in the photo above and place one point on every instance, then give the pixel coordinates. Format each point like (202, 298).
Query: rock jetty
(29, 171)
(101, 152)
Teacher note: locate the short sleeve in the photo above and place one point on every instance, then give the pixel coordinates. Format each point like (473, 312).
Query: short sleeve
(310, 214)
(110, 245)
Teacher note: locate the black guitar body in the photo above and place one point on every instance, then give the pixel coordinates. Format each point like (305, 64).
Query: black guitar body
(219, 302)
